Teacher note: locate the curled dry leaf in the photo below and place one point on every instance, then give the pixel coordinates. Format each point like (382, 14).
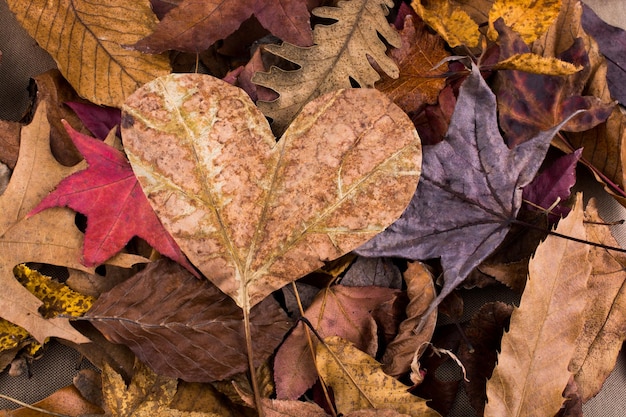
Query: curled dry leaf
(91, 55)
(184, 327)
(532, 369)
(253, 214)
(358, 381)
(421, 291)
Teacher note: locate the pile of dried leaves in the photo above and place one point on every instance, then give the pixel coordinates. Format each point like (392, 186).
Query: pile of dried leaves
(213, 269)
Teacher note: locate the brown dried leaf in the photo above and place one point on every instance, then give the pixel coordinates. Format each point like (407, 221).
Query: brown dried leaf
(65, 401)
(605, 315)
(91, 55)
(419, 83)
(253, 214)
(9, 142)
(336, 311)
(532, 369)
(380, 272)
(421, 290)
(164, 313)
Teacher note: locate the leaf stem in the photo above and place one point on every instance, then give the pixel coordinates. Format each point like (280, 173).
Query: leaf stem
(253, 378)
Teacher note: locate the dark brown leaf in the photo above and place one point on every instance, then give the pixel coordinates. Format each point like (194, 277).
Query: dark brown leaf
(184, 327)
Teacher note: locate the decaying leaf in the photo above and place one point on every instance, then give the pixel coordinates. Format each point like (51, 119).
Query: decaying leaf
(193, 26)
(21, 238)
(605, 314)
(341, 52)
(536, 64)
(532, 369)
(421, 291)
(164, 314)
(91, 55)
(451, 22)
(358, 381)
(253, 214)
(336, 311)
(419, 82)
(529, 18)
(461, 215)
(108, 193)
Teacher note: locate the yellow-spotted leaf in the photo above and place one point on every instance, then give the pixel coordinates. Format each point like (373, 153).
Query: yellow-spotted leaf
(529, 18)
(454, 25)
(537, 64)
(87, 38)
(358, 381)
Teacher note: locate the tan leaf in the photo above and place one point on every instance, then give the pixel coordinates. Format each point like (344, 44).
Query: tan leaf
(9, 142)
(65, 401)
(358, 381)
(253, 214)
(86, 39)
(605, 315)
(450, 21)
(537, 64)
(28, 239)
(419, 82)
(341, 52)
(532, 369)
(421, 291)
(529, 18)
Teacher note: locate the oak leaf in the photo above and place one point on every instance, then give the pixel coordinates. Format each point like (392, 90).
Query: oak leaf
(184, 327)
(147, 395)
(253, 214)
(419, 82)
(604, 331)
(461, 215)
(358, 381)
(341, 53)
(529, 103)
(91, 55)
(31, 239)
(532, 369)
(336, 311)
(107, 192)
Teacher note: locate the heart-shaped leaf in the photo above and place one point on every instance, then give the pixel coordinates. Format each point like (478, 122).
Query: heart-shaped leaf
(254, 214)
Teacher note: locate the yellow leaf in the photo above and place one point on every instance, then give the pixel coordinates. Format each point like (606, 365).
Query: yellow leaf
(358, 381)
(11, 335)
(454, 25)
(529, 18)
(532, 369)
(57, 298)
(537, 64)
(86, 39)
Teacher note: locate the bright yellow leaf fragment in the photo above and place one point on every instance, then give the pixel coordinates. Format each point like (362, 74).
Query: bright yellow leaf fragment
(454, 25)
(87, 38)
(359, 383)
(537, 64)
(529, 18)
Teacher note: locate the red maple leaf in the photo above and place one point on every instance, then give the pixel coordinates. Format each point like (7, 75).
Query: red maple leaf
(107, 192)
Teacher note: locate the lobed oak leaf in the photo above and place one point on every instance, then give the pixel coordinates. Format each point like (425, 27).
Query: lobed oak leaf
(107, 192)
(50, 237)
(183, 327)
(340, 55)
(358, 381)
(91, 56)
(604, 331)
(253, 214)
(193, 26)
(462, 215)
(529, 103)
(336, 311)
(532, 369)
(419, 82)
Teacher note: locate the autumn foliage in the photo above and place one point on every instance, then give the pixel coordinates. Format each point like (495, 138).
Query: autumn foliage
(285, 196)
